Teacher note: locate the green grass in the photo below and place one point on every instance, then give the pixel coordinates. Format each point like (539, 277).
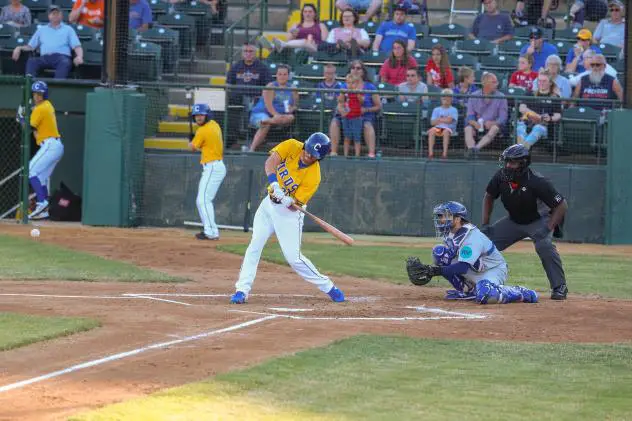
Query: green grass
(29, 259)
(21, 329)
(398, 378)
(604, 275)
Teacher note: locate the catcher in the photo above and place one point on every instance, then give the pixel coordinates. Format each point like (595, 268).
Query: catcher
(468, 260)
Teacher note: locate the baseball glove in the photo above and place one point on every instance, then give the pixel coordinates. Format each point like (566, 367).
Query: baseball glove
(418, 273)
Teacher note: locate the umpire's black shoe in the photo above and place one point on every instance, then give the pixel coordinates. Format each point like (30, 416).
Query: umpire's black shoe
(559, 293)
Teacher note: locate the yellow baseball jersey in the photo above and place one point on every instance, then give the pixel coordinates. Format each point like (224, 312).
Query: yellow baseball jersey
(208, 139)
(44, 122)
(298, 182)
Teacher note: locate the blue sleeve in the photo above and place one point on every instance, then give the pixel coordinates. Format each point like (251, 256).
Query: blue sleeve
(146, 18)
(435, 113)
(454, 114)
(596, 49)
(570, 56)
(475, 25)
(34, 42)
(412, 33)
(458, 268)
(73, 39)
(381, 30)
(523, 50)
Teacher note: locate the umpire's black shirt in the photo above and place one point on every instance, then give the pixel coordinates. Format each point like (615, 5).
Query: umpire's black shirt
(521, 199)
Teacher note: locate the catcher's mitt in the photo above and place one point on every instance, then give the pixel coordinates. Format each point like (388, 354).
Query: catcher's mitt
(418, 273)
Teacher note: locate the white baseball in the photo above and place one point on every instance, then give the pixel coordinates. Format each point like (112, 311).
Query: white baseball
(35, 233)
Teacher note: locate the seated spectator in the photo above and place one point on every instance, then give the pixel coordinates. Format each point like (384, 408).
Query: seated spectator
(370, 7)
(350, 110)
(139, 15)
(347, 37)
(536, 12)
(524, 76)
(392, 30)
(591, 10)
(371, 106)
(55, 41)
(88, 13)
(413, 84)
(443, 122)
(492, 25)
(394, 69)
(438, 71)
(598, 85)
(541, 112)
(485, 114)
(612, 31)
(308, 34)
(15, 14)
(538, 48)
(329, 82)
(553, 66)
(275, 107)
(574, 58)
(247, 72)
(588, 58)
(466, 78)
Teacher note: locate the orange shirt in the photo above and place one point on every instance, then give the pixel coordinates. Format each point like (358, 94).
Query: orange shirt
(92, 13)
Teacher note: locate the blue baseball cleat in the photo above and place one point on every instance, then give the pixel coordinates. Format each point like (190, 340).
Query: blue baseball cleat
(238, 298)
(528, 295)
(336, 295)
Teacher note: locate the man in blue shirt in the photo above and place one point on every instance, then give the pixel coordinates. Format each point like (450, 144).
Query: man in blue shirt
(395, 29)
(492, 25)
(575, 56)
(538, 48)
(55, 42)
(139, 15)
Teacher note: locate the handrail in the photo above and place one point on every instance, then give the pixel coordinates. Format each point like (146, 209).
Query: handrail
(229, 50)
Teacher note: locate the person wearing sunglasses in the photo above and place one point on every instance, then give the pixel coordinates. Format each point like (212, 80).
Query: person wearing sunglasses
(612, 31)
(588, 57)
(598, 85)
(575, 56)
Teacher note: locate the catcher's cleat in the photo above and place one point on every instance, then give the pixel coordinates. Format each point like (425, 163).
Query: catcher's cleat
(336, 295)
(528, 295)
(202, 236)
(559, 293)
(238, 298)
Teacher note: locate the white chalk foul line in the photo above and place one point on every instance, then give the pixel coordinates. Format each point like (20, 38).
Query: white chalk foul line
(109, 297)
(164, 300)
(361, 319)
(167, 294)
(133, 352)
(424, 309)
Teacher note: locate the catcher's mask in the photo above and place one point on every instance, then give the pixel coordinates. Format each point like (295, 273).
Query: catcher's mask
(444, 214)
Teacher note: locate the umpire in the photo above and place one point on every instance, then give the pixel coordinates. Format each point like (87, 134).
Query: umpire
(524, 193)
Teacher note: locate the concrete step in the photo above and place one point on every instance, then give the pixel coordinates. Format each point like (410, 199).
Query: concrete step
(167, 143)
(202, 67)
(277, 16)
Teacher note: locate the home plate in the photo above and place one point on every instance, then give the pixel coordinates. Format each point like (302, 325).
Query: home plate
(293, 310)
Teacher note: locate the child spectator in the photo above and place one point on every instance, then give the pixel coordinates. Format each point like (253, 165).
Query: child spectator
(540, 113)
(413, 84)
(443, 121)
(466, 84)
(329, 82)
(350, 109)
(438, 71)
(394, 69)
(524, 76)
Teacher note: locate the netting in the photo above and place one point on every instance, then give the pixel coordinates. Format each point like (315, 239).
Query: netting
(12, 146)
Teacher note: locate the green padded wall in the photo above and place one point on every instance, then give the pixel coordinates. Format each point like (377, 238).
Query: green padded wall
(113, 157)
(618, 216)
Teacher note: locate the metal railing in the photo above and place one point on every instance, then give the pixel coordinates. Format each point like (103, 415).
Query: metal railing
(262, 6)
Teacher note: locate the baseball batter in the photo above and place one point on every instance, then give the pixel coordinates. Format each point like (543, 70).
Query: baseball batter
(293, 171)
(208, 140)
(41, 166)
(468, 260)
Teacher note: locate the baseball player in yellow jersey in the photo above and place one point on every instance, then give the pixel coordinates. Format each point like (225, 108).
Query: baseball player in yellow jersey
(41, 166)
(293, 171)
(208, 140)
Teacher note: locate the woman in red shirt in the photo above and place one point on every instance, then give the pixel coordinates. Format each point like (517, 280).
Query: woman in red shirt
(394, 69)
(438, 71)
(524, 76)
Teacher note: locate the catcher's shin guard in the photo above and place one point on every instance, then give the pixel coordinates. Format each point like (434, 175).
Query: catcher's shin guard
(490, 293)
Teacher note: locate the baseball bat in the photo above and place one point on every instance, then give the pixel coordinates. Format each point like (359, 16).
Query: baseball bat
(248, 202)
(189, 96)
(326, 226)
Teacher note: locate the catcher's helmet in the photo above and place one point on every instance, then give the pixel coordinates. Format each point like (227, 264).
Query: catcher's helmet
(515, 153)
(444, 214)
(202, 109)
(318, 145)
(40, 87)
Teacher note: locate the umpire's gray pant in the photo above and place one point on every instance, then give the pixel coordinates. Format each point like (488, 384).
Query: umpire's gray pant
(506, 232)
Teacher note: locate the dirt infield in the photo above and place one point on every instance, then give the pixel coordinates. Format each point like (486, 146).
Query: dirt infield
(196, 334)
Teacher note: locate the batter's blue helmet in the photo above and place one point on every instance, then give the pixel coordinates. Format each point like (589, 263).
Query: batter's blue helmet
(318, 145)
(202, 109)
(443, 215)
(40, 87)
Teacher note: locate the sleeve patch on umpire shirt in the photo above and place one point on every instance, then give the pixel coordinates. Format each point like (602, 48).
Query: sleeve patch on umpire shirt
(558, 198)
(466, 252)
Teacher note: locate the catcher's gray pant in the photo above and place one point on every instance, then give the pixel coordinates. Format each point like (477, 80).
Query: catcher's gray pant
(506, 232)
